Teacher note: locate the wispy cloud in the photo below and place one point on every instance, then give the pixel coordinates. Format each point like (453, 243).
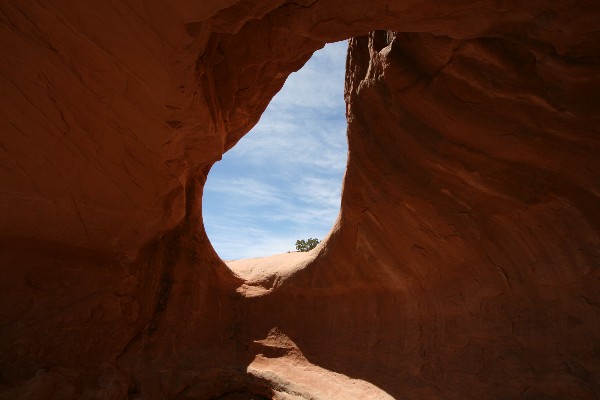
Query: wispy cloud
(282, 181)
(249, 190)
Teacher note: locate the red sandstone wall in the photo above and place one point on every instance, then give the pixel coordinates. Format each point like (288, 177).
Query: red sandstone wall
(457, 270)
(465, 262)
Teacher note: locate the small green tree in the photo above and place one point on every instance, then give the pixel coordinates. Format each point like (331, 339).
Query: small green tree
(306, 245)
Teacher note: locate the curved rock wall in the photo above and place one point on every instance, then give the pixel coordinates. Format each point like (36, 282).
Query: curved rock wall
(456, 270)
(465, 260)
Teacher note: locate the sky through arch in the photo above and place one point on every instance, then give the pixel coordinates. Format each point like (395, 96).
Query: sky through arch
(282, 181)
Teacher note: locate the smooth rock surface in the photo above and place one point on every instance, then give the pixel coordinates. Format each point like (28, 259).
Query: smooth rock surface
(465, 261)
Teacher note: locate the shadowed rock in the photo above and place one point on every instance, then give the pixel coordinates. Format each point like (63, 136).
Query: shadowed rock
(464, 262)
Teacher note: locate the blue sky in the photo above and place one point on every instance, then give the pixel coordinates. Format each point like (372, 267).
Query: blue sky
(282, 181)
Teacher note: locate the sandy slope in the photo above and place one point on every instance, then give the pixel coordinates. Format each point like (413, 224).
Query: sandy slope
(264, 274)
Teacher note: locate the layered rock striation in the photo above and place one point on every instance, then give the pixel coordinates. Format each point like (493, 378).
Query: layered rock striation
(465, 260)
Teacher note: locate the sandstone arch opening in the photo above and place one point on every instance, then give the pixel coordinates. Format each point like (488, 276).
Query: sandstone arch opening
(282, 181)
(466, 262)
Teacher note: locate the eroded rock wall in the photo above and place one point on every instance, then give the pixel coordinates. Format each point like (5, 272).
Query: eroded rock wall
(465, 260)
(456, 270)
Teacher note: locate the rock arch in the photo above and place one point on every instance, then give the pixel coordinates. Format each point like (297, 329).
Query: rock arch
(465, 260)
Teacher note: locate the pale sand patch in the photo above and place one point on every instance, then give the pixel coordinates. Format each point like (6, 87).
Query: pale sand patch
(281, 366)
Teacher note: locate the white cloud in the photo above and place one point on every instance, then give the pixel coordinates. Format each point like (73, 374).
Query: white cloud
(250, 190)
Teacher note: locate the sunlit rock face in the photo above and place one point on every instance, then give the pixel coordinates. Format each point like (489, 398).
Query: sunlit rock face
(465, 260)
